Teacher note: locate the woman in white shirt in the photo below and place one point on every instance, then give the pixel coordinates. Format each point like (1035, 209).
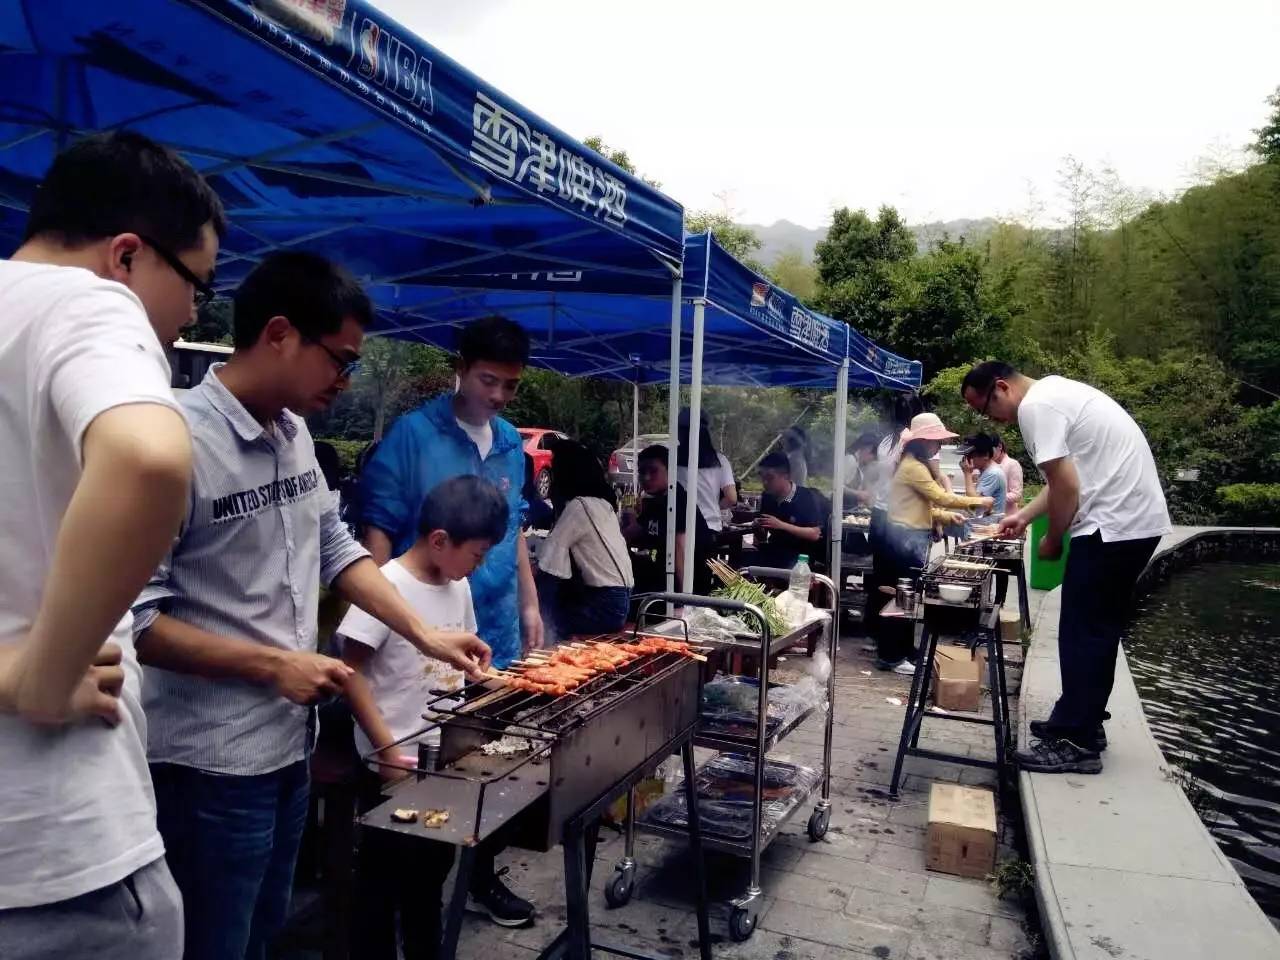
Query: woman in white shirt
(584, 570)
(716, 488)
(795, 443)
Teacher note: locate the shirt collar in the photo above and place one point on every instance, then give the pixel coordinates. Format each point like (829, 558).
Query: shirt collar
(226, 403)
(791, 495)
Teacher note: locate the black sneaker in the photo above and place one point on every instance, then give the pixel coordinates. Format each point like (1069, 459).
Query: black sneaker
(501, 904)
(1044, 730)
(1058, 756)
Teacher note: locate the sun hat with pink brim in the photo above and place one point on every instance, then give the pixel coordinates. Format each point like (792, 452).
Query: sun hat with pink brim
(927, 426)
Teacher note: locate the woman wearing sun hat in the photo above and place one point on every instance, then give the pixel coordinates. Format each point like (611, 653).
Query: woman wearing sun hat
(916, 500)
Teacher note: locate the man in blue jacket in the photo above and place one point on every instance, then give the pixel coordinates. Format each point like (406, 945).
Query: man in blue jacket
(451, 435)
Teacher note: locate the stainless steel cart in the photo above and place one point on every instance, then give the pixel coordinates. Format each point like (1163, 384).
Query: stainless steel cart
(744, 912)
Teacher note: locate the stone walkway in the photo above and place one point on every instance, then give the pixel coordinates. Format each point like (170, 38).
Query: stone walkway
(862, 891)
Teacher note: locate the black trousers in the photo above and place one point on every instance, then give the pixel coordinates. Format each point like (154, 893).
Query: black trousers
(895, 637)
(1097, 599)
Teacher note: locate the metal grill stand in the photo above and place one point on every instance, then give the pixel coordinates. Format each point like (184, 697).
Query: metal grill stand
(585, 749)
(926, 615)
(744, 913)
(579, 841)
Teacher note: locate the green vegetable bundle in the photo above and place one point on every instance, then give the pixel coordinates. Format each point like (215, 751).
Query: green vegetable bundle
(738, 587)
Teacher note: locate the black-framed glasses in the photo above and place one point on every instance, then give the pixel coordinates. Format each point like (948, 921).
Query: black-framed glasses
(203, 291)
(990, 393)
(346, 368)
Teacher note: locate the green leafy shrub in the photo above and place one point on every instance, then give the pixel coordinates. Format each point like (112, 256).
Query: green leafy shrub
(1251, 503)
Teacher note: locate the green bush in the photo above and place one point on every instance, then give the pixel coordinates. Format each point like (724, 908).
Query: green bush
(348, 450)
(1251, 503)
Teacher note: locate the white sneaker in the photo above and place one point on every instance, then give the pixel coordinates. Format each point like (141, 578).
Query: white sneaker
(906, 668)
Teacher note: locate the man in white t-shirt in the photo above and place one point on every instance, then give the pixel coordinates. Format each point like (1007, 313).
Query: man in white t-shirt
(1101, 488)
(119, 248)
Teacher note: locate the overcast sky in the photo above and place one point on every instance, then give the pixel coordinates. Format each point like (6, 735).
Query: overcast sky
(944, 109)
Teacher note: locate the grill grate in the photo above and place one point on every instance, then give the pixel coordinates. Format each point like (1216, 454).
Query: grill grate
(521, 711)
(967, 571)
(995, 549)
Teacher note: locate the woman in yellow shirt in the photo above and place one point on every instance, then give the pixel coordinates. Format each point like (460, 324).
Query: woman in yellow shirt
(916, 499)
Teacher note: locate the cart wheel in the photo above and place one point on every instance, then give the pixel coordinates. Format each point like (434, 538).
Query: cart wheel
(819, 820)
(617, 892)
(742, 924)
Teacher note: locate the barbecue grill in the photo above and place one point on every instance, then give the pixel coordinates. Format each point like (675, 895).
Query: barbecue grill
(971, 572)
(544, 763)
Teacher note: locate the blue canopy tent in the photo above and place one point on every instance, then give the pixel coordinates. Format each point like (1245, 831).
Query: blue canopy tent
(742, 330)
(325, 124)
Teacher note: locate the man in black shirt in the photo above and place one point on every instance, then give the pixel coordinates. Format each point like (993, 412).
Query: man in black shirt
(649, 530)
(791, 517)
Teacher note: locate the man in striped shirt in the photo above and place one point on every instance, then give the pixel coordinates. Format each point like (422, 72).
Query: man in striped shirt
(227, 626)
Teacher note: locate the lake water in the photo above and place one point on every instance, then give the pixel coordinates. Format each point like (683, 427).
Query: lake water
(1204, 651)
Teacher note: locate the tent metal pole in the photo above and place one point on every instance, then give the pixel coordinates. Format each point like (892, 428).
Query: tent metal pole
(673, 417)
(695, 438)
(635, 435)
(837, 489)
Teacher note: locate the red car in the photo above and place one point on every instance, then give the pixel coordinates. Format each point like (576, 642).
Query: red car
(537, 444)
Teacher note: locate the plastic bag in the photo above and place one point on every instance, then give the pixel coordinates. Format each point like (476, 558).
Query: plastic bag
(707, 624)
(726, 787)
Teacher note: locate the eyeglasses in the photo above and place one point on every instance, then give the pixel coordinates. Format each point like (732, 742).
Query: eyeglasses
(346, 368)
(203, 291)
(990, 393)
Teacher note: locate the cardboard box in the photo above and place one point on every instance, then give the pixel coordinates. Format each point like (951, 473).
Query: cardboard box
(956, 682)
(980, 658)
(1011, 627)
(648, 791)
(962, 830)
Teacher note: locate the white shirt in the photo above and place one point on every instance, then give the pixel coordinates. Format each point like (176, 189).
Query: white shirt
(1120, 493)
(481, 436)
(77, 812)
(588, 532)
(711, 480)
(402, 680)
(887, 455)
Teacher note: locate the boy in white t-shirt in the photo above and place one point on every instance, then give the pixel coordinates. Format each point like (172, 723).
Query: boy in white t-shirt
(461, 520)
(1102, 490)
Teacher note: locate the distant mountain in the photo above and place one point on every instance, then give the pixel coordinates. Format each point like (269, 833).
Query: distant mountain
(785, 235)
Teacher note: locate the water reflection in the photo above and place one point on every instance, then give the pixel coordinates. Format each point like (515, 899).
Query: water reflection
(1205, 656)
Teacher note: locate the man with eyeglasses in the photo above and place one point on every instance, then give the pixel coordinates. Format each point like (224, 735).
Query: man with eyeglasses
(1102, 490)
(227, 625)
(94, 475)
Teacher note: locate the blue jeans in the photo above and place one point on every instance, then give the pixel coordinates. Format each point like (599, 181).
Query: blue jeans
(572, 609)
(231, 843)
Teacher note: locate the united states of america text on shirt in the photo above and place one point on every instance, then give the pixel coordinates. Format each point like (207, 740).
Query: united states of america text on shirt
(261, 536)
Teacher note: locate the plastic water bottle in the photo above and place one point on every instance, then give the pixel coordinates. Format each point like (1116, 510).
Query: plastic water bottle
(801, 579)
